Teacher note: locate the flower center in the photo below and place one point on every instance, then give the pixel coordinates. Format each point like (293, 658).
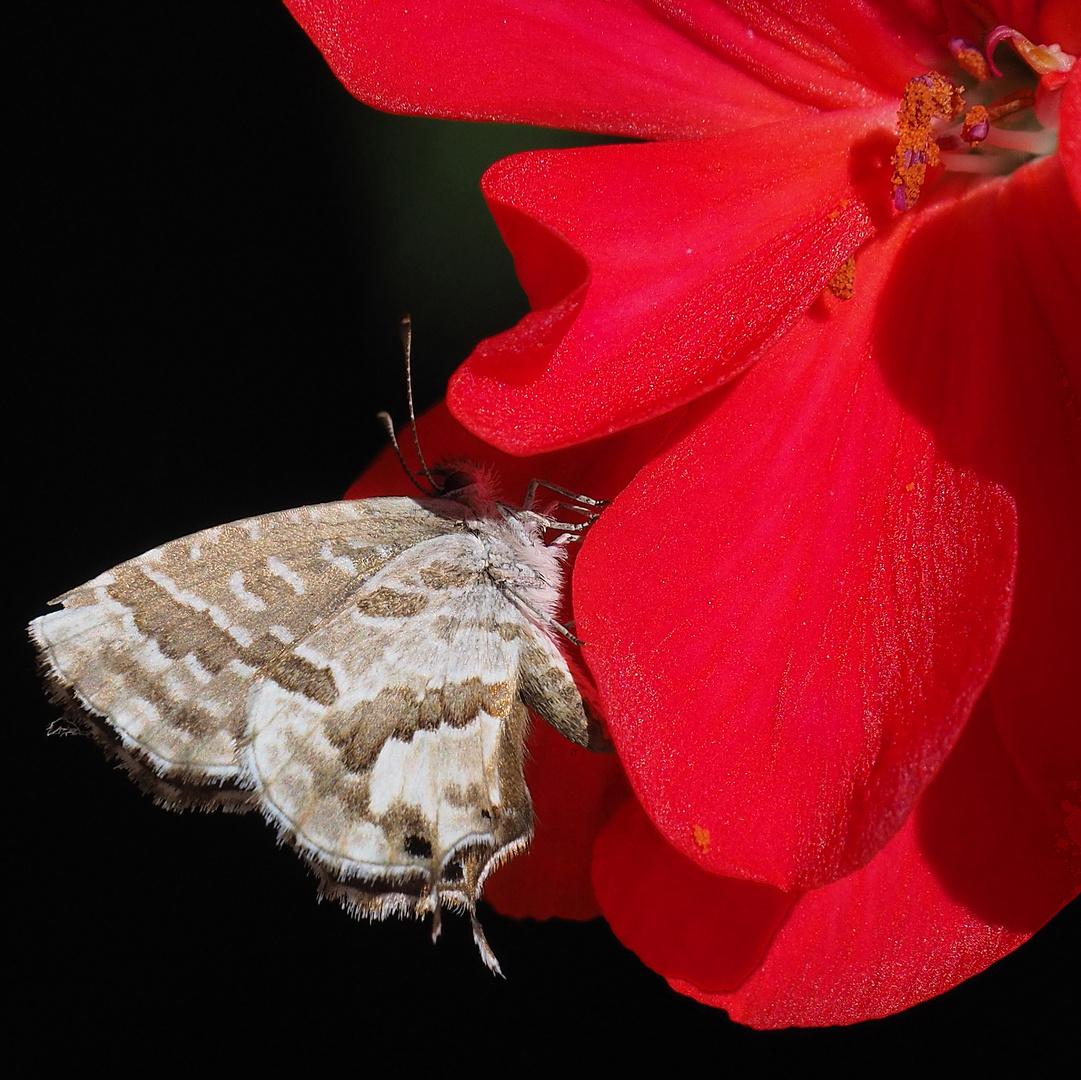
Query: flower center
(993, 126)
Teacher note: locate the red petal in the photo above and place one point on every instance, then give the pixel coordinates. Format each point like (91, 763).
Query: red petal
(1059, 24)
(792, 610)
(574, 794)
(1069, 133)
(646, 70)
(1010, 410)
(682, 922)
(973, 873)
(663, 270)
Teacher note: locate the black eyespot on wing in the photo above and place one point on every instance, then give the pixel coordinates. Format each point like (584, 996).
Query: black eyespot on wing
(453, 871)
(418, 847)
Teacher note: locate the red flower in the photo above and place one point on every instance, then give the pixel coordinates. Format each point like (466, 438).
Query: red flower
(834, 619)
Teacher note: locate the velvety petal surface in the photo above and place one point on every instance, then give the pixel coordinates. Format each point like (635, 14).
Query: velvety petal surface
(972, 874)
(819, 596)
(659, 271)
(681, 921)
(1059, 22)
(648, 70)
(1008, 347)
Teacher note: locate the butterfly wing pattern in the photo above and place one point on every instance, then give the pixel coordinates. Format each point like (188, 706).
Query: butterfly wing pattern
(360, 672)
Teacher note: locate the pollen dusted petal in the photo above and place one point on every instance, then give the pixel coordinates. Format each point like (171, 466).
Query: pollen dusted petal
(659, 271)
(819, 597)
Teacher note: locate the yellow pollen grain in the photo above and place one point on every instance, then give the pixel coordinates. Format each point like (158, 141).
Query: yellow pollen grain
(701, 838)
(910, 486)
(843, 283)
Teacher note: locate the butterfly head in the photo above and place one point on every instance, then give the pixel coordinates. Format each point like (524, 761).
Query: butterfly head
(464, 481)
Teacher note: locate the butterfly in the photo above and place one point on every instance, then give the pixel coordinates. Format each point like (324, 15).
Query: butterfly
(360, 672)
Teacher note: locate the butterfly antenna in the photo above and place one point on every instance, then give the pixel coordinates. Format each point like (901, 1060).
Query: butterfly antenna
(406, 329)
(388, 423)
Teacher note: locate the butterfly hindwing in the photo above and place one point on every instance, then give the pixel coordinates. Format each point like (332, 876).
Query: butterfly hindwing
(403, 763)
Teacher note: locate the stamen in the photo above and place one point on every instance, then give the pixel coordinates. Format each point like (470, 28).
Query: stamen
(983, 164)
(978, 144)
(1011, 103)
(969, 58)
(976, 126)
(927, 98)
(1041, 143)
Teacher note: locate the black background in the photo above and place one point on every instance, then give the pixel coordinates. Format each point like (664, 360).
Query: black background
(212, 243)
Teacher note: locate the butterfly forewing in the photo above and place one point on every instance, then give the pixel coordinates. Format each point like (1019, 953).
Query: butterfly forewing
(167, 644)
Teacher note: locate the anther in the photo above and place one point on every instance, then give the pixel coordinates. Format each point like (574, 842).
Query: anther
(969, 58)
(976, 125)
(926, 98)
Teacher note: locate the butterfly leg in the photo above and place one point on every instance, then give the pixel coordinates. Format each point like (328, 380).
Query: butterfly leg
(580, 500)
